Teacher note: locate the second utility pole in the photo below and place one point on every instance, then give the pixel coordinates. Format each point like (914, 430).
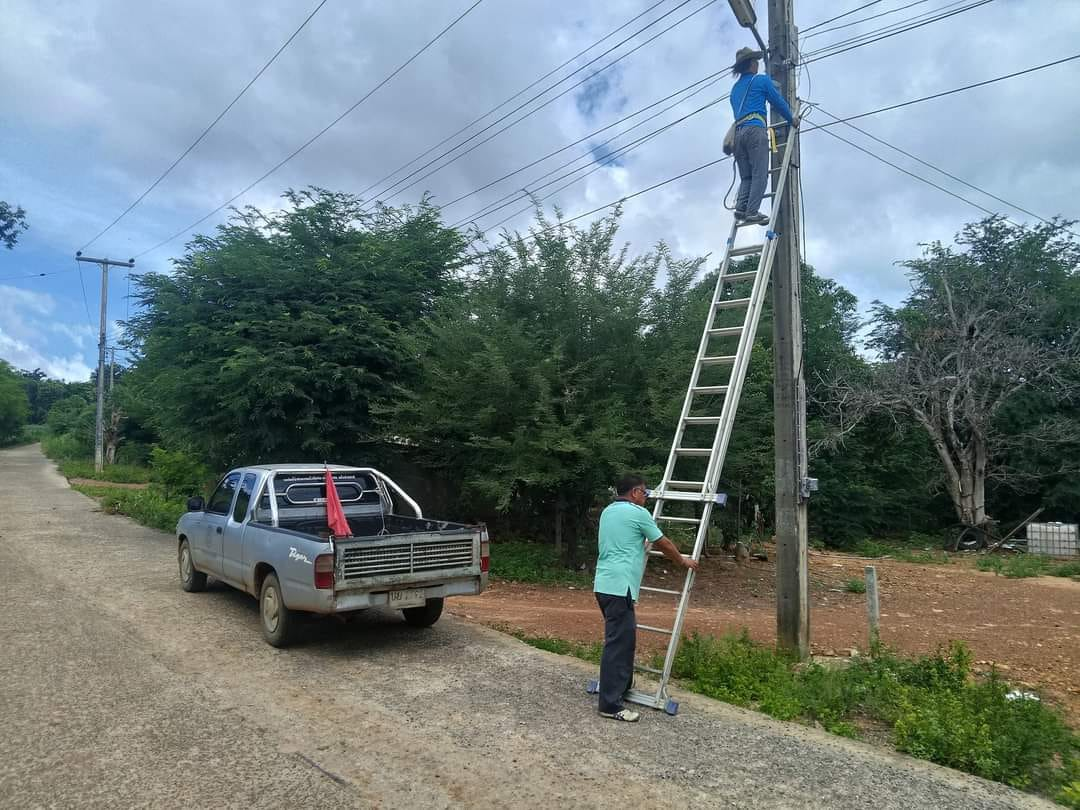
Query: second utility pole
(789, 389)
(99, 422)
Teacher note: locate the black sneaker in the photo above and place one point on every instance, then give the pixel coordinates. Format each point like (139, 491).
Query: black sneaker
(756, 218)
(740, 215)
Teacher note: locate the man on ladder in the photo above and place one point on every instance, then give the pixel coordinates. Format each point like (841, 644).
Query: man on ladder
(748, 98)
(626, 530)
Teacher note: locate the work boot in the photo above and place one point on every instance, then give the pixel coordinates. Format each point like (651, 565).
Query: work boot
(739, 215)
(756, 218)
(625, 715)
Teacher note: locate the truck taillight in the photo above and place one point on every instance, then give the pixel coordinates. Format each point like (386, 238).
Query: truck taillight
(485, 557)
(324, 571)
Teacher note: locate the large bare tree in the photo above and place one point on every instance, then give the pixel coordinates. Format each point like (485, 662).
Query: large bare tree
(990, 320)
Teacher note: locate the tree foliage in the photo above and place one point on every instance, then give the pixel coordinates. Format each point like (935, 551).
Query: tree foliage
(14, 408)
(982, 356)
(274, 337)
(12, 223)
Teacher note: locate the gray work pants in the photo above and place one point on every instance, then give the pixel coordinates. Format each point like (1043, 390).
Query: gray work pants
(752, 158)
(620, 639)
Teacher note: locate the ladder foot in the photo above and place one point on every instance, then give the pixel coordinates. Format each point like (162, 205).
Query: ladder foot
(671, 707)
(592, 688)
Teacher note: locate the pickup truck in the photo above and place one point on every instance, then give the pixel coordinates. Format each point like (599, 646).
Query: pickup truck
(264, 531)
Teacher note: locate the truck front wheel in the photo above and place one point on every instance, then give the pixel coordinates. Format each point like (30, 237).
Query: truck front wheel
(190, 579)
(424, 616)
(278, 622)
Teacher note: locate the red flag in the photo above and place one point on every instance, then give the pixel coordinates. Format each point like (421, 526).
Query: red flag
(335, 515)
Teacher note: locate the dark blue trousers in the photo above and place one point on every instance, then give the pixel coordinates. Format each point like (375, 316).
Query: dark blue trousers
(620, 639)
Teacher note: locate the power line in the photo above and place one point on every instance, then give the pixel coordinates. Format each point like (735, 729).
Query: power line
(521, 92)
(841, 16)
(834, 51)
(805, 35)
(318, 134)
(206, 131)
(700, 85)
(889, 28)
(826, 126)
(30, 275)
(394, 187)
(938, 169)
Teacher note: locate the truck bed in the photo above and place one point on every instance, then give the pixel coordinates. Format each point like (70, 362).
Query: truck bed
(373, 527)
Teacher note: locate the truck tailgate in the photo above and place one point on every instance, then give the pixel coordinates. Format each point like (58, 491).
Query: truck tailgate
(406, 558)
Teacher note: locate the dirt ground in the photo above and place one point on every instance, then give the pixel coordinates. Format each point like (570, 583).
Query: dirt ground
(1028, 628)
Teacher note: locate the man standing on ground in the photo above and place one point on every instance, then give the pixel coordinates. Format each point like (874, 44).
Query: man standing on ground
(626, 529)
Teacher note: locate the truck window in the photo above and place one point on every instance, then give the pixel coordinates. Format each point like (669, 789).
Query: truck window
(223, 495)
(243, 499)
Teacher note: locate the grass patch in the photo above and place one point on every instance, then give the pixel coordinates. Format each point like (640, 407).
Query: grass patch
(112, 473)
(586, 652)
(534, 563)
(146, 506)
(935, 706)
(897, 551)
(1021, 566)
(855, 586)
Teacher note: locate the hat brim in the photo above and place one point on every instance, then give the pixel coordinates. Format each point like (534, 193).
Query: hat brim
(748, 58)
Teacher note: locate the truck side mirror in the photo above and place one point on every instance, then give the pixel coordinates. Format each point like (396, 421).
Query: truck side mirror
(196, 504)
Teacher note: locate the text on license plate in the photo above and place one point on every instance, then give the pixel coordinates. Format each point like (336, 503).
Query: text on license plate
(405, 599)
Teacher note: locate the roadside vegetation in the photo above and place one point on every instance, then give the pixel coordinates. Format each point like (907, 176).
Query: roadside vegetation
(1019, 566)
(933, 707)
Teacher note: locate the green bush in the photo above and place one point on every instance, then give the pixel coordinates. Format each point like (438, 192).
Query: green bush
(855, 585)
(1019, 566)
(179, 473)
(63, 446)
(149, 507)
(937, 708)
(533, 562)
(113, 473)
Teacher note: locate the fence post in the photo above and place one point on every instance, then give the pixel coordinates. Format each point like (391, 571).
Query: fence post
(872, 611)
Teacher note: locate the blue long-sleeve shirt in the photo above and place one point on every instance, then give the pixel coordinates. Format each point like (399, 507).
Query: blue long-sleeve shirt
(749, 94)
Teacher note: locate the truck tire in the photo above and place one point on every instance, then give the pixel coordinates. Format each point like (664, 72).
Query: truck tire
(191, 580)
(424, 616)
(278, 622)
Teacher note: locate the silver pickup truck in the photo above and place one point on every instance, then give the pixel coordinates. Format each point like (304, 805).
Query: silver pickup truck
(264, 531)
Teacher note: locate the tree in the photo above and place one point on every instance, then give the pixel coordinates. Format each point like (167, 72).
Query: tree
(13, 405)
(987, 324)
(273, 338)
(12, 223)
(534, 386)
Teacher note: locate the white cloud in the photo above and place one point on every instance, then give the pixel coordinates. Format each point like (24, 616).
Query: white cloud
(24, 318)
(92, 123)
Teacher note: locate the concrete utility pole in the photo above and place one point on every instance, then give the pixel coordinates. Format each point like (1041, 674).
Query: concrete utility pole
(793, 486)
(99, 423)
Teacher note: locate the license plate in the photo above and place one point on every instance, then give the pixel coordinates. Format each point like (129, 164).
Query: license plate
(406, 599)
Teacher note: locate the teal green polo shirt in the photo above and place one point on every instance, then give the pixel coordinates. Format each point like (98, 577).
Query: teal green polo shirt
(624, 529)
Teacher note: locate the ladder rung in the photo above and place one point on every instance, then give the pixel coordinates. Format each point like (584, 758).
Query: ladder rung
(745, 251)
(693, 484)
(731, 278)
(701, 452)
(651, 589)
(652, 629)
(726, 331)
(719, 360)
(710, 389)
(643, 668)
(677, 519)
(701, 420)
(692, 497)
(733, 303)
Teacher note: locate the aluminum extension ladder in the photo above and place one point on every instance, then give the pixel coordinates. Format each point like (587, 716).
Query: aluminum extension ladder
(678, 491)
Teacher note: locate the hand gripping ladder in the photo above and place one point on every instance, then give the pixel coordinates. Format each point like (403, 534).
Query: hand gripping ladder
(698, 418)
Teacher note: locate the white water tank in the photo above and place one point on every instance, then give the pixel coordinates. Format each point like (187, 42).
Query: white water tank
(1053, 539)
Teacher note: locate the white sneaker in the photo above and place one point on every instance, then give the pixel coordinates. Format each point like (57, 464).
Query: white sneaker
(626, 715)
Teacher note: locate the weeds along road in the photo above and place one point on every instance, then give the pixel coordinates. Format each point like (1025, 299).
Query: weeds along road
(120, 690)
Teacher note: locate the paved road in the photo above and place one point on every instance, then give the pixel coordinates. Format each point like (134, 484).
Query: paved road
(120, 690)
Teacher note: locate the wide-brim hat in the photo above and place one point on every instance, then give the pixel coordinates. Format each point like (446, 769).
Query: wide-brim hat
(745, 55)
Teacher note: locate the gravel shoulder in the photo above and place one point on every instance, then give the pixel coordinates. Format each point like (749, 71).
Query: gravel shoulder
(121, 690)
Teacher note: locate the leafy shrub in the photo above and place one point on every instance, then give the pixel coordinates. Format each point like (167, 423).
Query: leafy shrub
(178, 473)
(136, 453)
(64, 446)
(586, 652)
(533, 562)
(855, 585)
(1020, 566)
(149, 507)
(113, 473)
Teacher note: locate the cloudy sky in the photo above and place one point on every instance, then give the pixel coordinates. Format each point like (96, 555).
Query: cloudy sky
(101, 95)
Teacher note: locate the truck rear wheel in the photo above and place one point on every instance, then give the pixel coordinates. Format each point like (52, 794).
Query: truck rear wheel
(278, 622)
(190, 579)
(424, 616)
